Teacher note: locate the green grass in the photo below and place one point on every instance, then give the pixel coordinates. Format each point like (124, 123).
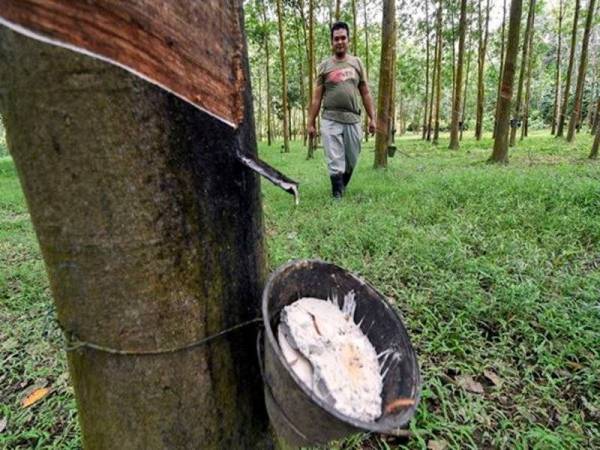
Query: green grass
(494, 268)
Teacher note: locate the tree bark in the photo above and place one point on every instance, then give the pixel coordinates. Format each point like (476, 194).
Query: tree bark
(565, 99)
(337, 10)
(583, 60)
(483, 41)
(501, 71)
(596, 144)
(500, 152)
(268, 70)
(386, 80)
(464, 106)
(517, 116)
(456, 113)
(438, 77)
(424, 134)
(152, 237)
(525, 126)
(433, 86)
(555, 109)
(311, 68)
(354, 29)
(284, 86)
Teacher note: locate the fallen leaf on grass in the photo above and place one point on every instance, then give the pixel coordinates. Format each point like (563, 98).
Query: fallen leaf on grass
(470, 385)
(398, 403)
(3, 422)
(35, 397)
(574, 365)
(437, 445)
(495, 379)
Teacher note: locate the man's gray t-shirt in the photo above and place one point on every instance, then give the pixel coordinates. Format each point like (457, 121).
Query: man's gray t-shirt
(340, 80)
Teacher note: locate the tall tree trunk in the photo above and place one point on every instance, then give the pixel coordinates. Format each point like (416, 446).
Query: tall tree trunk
(386, 80)
(453, 39)
(596, 144)
(284, 92)
(424, 134)
(268, 70)
(456, 113)
(555, 109)
(483, 41)
(438, 78)
(366, 124)
(337, 10)
(596, 124)
(464, 105)
(311, 67)
(151, 233)
(501, 71)
(565, 100)
(500, 152)
(583, 60)
(433, 86)
(525, 127)
(301, 48)
(259, 121)
(518, 116)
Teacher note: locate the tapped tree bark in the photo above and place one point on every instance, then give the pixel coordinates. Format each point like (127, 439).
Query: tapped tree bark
(386, 80)
(518, 116)
(152, 237)
(284, 86)
(583, 60)
(565, 99)
(456, 113)
(500, 152)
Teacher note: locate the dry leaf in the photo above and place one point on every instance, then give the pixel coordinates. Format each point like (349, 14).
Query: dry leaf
(495, 379)
(3, 422)
(437, 445)
(398, 403)
(468, 384)
(574, 365)
(35, 397)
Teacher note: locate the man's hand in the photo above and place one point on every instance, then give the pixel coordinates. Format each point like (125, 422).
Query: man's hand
(372, 127)
(312, 132)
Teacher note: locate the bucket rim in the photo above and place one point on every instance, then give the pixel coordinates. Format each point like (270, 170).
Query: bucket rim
(408, 413)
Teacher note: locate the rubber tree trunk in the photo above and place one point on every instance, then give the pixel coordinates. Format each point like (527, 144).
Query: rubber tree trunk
(386, 81)
(596, 144)
(565, 99)
(501, 71)
(555, 109)
(152, 237)
(354, 29)
(583, 61)
(284, 87)
(268, 71)
(366, 123)
(433, 86)
(311, 68)
(425, 109)
(483, 41)
(525, 126)
(456, 113)
(518, 109)
(337, 9)
(500, 152)
(464, 104)
(438, 77)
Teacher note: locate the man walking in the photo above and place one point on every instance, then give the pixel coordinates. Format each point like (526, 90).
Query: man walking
(340, 80)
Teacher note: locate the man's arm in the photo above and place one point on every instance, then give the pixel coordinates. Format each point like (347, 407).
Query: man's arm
(367, 100)
(315, 106)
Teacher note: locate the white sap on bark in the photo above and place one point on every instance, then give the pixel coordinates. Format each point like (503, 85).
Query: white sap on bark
(330, 354)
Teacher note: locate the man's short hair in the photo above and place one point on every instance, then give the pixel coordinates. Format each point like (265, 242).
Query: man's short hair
(340, 26)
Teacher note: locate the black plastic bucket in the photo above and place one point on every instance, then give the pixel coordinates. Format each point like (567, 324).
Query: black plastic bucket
(298, 416)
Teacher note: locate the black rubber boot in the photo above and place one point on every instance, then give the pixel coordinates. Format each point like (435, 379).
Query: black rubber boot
(346, 177)
(337, 185)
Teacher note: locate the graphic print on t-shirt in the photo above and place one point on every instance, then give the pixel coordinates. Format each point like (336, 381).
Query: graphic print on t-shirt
(341, 75)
